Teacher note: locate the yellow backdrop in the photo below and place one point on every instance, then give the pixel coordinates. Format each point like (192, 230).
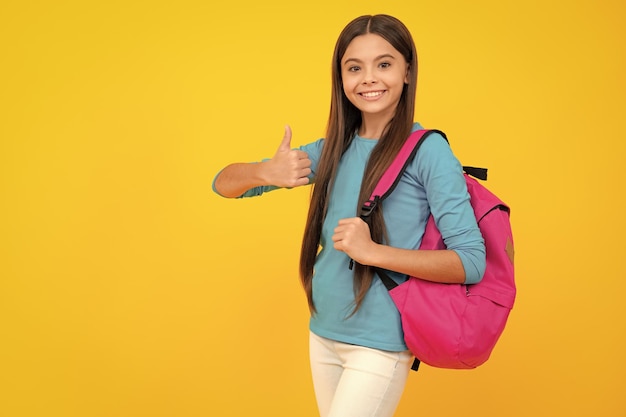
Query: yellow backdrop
(128, 289)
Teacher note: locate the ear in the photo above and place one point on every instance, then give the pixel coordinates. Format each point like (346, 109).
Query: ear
(406, 76)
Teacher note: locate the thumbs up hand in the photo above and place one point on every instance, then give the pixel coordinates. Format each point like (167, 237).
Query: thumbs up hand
(289, 167)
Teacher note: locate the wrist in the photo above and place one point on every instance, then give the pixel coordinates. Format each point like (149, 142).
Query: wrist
(262, 173)
(375, 255)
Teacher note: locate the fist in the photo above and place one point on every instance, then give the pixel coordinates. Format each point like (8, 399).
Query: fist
(352, 236)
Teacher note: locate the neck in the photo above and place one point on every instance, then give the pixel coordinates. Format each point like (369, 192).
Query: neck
(373, 126)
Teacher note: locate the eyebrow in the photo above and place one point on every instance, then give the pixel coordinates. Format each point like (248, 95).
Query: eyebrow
(379, 57)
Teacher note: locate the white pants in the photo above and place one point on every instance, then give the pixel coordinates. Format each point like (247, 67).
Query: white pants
(355, 381)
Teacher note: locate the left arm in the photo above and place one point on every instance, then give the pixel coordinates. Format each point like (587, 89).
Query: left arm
(352, 236)
(440, 174)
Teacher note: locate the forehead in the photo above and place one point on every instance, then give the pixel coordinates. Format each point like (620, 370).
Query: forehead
(369, 47)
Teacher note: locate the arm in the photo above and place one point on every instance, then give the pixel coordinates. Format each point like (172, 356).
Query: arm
(288, 168)
(352, 236)
(440, 174)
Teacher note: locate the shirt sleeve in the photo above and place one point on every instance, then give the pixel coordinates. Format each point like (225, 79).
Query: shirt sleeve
(449, 202)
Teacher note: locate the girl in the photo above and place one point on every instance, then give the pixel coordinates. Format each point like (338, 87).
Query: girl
(359, 360)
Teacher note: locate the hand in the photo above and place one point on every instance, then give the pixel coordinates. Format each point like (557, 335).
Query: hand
(352, 236)
(289, 167)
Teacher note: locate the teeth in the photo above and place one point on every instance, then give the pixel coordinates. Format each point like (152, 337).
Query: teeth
(372, 94)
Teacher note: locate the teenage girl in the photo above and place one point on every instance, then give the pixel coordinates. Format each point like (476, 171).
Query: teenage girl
(359, 360)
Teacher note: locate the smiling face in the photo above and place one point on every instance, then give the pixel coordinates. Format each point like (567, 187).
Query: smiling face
(374, 74)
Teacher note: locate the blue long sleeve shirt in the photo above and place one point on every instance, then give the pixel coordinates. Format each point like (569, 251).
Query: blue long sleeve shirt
(432, 183)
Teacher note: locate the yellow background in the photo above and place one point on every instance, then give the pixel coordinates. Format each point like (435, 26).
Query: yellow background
(127, 288)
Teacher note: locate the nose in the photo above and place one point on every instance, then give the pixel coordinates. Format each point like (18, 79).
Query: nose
(369, 77)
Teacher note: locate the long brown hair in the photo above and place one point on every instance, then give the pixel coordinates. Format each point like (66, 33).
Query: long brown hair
(343, 123)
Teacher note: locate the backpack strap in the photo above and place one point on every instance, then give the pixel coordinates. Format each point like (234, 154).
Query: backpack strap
(390, 178)
(480, 173)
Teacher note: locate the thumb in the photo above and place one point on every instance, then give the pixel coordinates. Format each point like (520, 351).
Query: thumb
(285, 144)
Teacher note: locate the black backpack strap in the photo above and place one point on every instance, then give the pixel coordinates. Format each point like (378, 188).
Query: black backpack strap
(480, 173)
(387, 281)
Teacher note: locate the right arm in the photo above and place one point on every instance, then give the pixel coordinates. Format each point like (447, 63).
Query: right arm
(288, 168)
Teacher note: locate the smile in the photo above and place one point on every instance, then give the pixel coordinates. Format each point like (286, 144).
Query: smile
(372, 94)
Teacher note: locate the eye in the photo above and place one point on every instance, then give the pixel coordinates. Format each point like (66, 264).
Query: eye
(353, 68)
(384, 64)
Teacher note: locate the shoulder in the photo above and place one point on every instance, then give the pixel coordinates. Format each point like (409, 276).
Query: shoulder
(434, 146)
(436, 158)
(435, 140)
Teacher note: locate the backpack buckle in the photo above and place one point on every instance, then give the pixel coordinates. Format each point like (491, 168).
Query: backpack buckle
(368, 207)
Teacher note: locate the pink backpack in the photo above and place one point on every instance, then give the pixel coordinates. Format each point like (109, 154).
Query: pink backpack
(454, 325)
